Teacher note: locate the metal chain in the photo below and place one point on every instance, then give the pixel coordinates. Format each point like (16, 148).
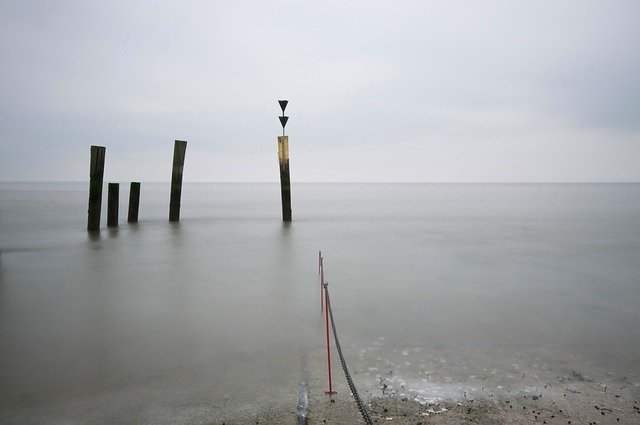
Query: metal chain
(354, 391)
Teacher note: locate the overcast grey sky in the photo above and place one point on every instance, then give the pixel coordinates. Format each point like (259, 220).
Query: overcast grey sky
(378, 90)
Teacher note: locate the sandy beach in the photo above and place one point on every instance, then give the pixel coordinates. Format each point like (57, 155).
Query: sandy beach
(525, 393)
(581, 403)
(574, 399)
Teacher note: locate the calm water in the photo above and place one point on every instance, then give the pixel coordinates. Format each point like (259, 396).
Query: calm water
(205, 320)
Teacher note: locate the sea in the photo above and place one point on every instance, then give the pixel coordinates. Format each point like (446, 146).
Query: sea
(444, 286)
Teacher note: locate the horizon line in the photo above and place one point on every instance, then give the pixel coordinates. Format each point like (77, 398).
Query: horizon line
(351, 182)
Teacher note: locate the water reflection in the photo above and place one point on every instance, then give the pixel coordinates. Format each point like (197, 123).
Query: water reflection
(94, 236)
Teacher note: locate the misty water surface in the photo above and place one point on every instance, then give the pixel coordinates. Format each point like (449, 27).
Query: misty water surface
(206, 319)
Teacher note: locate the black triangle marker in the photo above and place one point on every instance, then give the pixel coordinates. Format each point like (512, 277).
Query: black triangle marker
(283, 105)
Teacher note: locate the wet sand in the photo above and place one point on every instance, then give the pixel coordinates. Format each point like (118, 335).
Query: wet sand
(574, 403)
(535, 393)
(422, 387)
(590, 404)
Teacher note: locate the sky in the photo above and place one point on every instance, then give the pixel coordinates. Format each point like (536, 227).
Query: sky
(388, 91)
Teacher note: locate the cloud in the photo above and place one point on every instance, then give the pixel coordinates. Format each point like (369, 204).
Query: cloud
(364, 76)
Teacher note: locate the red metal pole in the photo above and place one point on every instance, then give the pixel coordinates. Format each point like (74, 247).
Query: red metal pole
(320, 277)
(321, 283)
(326, 315)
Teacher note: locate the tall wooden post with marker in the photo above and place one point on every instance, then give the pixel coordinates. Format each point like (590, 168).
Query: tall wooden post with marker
(283, 159)
(96, 174)
(179, 150)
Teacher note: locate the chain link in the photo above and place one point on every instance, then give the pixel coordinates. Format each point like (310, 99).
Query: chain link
(354, 391)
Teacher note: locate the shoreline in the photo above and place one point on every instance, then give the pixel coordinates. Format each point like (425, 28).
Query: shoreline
(581, 402)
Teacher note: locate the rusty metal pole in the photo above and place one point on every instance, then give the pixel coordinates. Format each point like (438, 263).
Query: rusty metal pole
(321, 265)
(326, 315)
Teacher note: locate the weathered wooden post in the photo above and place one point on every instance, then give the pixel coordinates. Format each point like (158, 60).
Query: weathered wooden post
(179, 150)
(283, 159)
(96, 174)
(134, 202)
(113, 204)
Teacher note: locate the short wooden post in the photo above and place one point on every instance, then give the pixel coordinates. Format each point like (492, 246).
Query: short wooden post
(96, 174)
(112, 204)
(179, 150)
(134, 202)
(285, 180)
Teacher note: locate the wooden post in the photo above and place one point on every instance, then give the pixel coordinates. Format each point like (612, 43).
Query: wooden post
(134, 202)
(96, 174)
(285, 180)
(179, 150)
(112, 204)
